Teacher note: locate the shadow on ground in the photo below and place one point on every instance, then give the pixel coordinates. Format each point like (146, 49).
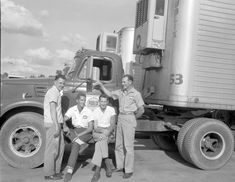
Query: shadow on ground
(84, 159)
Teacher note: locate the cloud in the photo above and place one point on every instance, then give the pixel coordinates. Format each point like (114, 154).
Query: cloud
(14, 61)
(45, 57)
(74, 40)
(65, 54)
(17, 19)
(104, 3)
(25, 67)
(17, 66)
(44, 13)
(40, 53)
(37, 61)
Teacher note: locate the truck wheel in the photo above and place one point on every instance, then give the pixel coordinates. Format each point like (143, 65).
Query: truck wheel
(181, 135)
(22, 140)
(166, 141)
(209, 144)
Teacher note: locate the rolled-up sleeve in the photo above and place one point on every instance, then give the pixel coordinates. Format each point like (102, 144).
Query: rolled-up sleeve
(139, 100)
(116, 94)
(69, 113)
(53, 96)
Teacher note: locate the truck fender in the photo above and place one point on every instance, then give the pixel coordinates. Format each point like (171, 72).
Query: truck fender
(21, 104)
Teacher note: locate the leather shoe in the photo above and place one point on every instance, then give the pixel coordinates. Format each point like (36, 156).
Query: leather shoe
(67, 177)
(95, 177)
(118, 170)
(61, 174)
(53, 177)
(127, 175)
(108, 168)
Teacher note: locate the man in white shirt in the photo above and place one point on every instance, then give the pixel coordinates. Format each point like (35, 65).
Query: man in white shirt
(104, 124)
(53, 119)
(81, 133)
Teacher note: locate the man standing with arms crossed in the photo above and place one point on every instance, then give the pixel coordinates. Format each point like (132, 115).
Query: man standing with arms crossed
(104, 124)
(54, 136)
(131, 106)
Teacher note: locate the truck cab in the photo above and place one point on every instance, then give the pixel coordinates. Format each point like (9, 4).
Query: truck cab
(22, 135)
(90, 65)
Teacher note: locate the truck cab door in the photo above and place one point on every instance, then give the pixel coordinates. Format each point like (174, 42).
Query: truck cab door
(79, 83)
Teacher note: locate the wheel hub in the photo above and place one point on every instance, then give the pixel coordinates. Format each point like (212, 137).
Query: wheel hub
(25, 141)
(212, 145)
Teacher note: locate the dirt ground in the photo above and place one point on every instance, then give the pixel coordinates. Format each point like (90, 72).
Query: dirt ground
(151, 165)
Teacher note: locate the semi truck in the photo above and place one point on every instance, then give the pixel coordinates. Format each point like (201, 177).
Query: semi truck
(186, 52)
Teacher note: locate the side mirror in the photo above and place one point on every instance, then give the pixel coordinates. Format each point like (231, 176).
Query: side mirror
(95, 76)
(92, 72)
(95, 73)
(89, 68)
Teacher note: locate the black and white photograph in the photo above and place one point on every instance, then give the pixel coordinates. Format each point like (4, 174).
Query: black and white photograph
(117, 91)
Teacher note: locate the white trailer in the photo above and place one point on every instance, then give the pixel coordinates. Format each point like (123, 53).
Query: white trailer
(187, 52)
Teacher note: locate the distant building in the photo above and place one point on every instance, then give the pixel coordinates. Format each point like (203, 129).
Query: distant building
(16, 76)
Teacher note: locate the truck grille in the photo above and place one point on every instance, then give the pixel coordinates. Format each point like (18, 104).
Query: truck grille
(40, 90)
(141, 13)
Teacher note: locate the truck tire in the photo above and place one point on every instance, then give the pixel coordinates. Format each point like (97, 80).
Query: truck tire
(166, 141)
(181, 135)
(22, 140)
(209, 144)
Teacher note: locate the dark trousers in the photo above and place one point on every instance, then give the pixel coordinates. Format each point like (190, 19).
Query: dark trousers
(73, 155)
(75, 146)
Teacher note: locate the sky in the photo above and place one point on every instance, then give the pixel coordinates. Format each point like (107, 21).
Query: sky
(40, 36)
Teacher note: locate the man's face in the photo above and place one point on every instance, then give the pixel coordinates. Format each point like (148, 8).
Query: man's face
(103, 102)
(126, 83)
(81, 101)
(59, 83)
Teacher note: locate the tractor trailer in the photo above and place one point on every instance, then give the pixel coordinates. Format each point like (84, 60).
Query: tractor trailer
(186, 52)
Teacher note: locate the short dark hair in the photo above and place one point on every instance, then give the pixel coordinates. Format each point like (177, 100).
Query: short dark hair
(130, 77)
(60, 76)
(103, 96)
(80, 94)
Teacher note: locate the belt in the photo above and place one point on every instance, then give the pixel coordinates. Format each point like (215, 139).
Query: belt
(126, 113)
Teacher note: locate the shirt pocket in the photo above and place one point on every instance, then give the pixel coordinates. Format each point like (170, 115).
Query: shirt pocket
(85, 120)
(131, 100)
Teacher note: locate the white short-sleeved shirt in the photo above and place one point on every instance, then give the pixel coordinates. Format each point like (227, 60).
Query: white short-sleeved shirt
(52, 95)
(79, 119)
(103, 118)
